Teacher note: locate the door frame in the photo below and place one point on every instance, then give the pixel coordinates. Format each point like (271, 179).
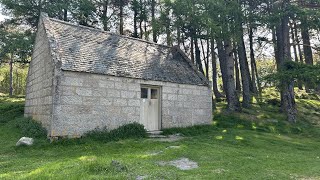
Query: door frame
(159, 101)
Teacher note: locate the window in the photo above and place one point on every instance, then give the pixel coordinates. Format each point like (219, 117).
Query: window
(154, 93)
(144, 93)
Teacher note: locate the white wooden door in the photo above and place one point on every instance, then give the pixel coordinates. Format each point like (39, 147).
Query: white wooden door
(149, 111)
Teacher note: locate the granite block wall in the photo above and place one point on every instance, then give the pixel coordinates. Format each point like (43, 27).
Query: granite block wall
(88, 101)
(39, 82)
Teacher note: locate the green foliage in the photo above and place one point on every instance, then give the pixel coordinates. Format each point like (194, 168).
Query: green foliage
(83, 11)
(133, 130)
(19, 79)
(10, 111)
(10, 108)
(30, 128)
(265, 69)
(15, 45)
(296, 71)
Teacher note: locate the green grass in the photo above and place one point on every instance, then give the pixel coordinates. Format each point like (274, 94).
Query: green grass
(254, 144)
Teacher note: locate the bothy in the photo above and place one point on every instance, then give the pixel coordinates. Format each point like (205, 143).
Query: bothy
(82, 78)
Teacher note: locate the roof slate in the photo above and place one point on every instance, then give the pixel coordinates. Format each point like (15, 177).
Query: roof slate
(84, 49)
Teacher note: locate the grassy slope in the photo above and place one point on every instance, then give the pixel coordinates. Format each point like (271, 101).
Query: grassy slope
(255, 148)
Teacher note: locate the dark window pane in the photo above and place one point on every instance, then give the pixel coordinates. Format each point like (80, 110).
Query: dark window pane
(154, 93)
(144, 93)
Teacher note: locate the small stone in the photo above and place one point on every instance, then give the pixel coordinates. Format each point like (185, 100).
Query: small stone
(182, 164)
(155, 153)
(173, 147)
(141, 177)
(220, 171)
(25, 141)
(170, 138)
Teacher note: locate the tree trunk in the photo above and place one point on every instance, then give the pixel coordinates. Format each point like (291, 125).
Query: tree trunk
(198, 57)
(222, 59)
(140, 27)
(216, 92)
(275, 46)
(153, 19)
(145, 25)
(232, 97)
(294, 45)
(299, 50)
(283, 49)
(178, 36)
(236, 65)
(296, 59)
(104, 15)
(306, 48)
(65, 10)
(254, 70)
(192, 50)
(135, 19)
(11, 76)
(207, 58)
(245, 74)
(168, 33)
(121, 19)
(39, 11)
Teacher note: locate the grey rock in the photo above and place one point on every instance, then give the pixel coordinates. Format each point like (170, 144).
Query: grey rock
(141, 177)
(173, 147)
(25, 141)
(182, 164)
(155, 153)
(118, 166)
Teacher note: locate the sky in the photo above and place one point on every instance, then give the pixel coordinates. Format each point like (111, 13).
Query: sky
(2, 17)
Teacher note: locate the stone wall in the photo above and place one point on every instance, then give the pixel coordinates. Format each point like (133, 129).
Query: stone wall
(87, 101)
(39, 81)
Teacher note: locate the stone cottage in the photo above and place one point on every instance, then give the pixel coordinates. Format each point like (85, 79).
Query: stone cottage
(82, 78)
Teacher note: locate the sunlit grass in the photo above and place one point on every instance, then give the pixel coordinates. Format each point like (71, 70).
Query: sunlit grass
(255, 144)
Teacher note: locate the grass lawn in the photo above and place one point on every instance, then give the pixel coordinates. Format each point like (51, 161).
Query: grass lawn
(255, 144)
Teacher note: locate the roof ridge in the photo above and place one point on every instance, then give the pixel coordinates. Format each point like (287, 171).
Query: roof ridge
(120, 64)
(107, 32)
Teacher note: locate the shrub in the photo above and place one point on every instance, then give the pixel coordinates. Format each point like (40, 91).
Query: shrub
(30, 128)
(133, 130)
(273, 102)
(10, 111)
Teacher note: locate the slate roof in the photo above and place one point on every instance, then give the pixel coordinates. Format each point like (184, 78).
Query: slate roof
(84, 49)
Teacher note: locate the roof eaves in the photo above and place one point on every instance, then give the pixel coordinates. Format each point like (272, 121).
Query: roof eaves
(53, 44)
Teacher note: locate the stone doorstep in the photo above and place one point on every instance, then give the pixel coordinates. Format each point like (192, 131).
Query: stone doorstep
(155, 134)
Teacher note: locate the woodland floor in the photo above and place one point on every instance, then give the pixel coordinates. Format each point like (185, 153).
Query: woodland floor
(255, 144)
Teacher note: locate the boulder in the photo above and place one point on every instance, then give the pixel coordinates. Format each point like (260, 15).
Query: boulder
(25, 141)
